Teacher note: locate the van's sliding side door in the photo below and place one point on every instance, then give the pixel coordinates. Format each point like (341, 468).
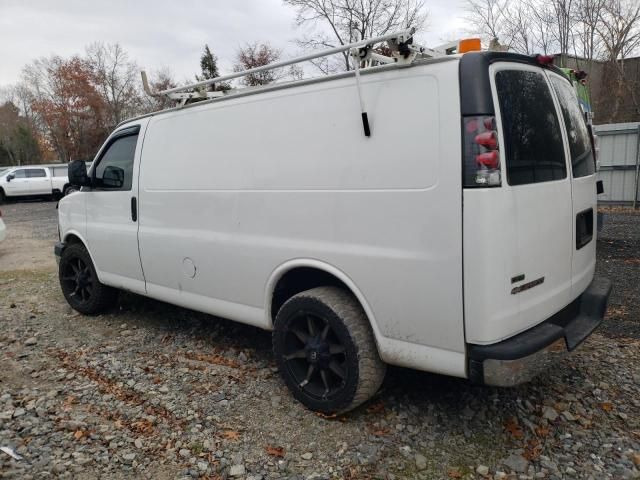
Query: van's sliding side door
(112, 209)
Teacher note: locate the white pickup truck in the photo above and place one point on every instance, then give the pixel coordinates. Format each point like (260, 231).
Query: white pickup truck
(34, 181)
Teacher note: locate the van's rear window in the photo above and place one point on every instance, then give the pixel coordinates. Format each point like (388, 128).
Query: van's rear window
(582, 163)
(533, 141)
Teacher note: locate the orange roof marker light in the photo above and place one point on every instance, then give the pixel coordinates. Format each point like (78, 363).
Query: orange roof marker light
(469, 45)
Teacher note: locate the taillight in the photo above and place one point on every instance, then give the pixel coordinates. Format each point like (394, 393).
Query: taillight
(481, 152)
(545, 59)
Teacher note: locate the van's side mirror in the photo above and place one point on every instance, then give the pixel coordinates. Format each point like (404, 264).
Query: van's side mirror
(10, 177)
(77, 171)
(113, 177)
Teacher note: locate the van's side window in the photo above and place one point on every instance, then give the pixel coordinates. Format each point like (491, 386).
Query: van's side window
(582, 163)
(20, 174)
(534, 149)
(115, 168)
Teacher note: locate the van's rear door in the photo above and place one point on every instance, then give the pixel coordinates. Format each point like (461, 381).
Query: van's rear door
(518, 234)
(583, 184)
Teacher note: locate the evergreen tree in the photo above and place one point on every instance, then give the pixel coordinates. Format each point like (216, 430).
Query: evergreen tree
(209, 69)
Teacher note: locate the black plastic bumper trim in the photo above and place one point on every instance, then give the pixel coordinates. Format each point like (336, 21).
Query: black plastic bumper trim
(58, 248)
(575, 323)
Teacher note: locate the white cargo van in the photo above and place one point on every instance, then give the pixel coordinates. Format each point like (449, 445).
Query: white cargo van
(452, 234)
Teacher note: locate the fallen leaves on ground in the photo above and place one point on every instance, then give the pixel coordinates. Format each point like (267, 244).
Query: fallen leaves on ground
(377, 407)
(454, 473)
(142, 426)
(606, 406)
(513, 427)
(231, 434)
(213, 358)
(542, 431)
(382, 432)
(274, 451)
(327, 416)
(533, 450)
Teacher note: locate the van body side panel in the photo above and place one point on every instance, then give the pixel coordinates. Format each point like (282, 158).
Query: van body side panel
(232, 190)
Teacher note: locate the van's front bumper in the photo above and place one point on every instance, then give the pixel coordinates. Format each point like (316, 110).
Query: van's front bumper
(57, 251)
(520, 358)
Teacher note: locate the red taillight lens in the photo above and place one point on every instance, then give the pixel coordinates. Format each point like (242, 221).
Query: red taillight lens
(545, 59)
(481, 155)
(488, 159)
(487, 139)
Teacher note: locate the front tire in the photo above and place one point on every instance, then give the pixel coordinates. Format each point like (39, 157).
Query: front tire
(326, 351)
(80, 284)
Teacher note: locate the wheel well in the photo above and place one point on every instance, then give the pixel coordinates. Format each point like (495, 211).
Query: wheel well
(298, 280)
(72, 239)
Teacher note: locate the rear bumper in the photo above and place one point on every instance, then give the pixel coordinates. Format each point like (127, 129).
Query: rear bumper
(520, 358)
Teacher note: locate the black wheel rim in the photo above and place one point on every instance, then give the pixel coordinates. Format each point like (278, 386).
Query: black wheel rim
(315, 356)
(77, 280)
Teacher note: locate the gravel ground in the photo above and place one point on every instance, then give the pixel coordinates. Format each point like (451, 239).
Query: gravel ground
(155, 391)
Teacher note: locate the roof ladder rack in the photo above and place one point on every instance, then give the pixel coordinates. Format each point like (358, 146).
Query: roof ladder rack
(362, 53)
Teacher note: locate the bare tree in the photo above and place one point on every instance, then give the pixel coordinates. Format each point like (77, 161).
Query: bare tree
(254, 55)
(116, 79)
(589, 16)
(620, 28)
(488, 18)
(564, 16)
(159, 80)
(522, 23)
(339, 22)
(620, 34)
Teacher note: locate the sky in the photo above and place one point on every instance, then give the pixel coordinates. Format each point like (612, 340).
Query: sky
(160, 34)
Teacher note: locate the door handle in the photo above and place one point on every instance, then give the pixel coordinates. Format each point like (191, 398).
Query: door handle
(134, 209)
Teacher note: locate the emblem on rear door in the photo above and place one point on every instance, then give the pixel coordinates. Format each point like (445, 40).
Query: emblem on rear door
(527, 286)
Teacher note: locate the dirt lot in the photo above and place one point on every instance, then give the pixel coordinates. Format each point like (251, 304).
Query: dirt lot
(154, 391)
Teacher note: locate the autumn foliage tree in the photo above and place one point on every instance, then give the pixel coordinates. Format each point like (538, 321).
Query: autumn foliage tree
(68, 106)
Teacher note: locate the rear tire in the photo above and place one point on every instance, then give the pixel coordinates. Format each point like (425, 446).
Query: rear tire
(326, 351)
(3, 197)
(80, 284)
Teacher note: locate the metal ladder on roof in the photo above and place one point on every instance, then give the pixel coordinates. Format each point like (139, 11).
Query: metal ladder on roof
(400, 44)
